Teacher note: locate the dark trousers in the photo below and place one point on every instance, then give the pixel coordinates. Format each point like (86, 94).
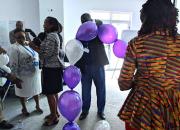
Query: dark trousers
(96, 74)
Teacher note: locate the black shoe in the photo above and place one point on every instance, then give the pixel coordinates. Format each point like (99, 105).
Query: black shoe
(5, 125)
(102, 116)
(83, 115)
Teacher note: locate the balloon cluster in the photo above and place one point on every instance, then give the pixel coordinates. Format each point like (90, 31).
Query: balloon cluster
(107, 33)
(70, 102)
(4, 60)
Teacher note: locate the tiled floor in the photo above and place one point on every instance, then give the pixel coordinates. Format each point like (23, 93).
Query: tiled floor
(115, 99)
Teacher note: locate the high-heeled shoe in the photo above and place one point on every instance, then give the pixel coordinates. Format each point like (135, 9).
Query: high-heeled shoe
(49, 116)
(51, 122)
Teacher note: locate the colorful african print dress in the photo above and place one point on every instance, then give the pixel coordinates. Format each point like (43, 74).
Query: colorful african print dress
(151, 70)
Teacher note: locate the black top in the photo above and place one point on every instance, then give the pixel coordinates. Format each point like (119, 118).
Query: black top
(96, 56)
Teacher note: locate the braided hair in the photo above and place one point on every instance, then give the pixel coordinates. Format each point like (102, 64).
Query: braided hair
(159, 15)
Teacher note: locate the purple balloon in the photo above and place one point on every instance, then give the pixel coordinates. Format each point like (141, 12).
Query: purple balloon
(119, 48)
(72, 76)
(107, 33)
(70, 105)
(87, 31)
(71, 126)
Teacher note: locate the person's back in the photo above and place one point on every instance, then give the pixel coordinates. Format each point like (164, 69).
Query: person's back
(156, 82)
(97, 55)
(158, 57)
(92, 69)
(151, 70)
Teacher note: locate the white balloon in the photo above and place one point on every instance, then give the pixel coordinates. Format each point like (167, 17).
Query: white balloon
(5, 68)
(74, 51)
(2, 81)
(102, 125)
(4, 59)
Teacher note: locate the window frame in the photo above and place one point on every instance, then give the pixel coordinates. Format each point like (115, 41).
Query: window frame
(111, 21)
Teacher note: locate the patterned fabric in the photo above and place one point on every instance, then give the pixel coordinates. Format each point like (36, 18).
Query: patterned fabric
(49, 51)
(151, 70)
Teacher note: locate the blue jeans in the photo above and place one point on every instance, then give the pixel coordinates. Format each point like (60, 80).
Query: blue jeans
(96, 74)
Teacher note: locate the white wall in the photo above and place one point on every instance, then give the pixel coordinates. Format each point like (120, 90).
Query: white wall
(178, 6)
(74, 8)
(51, 8)
(13, 10)
(68, 12)
(25, 10)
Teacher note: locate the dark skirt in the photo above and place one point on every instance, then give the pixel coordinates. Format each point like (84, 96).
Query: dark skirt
(52, 80)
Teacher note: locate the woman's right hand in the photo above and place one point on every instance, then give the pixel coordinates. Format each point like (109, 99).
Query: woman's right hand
(34, 47)
(15, 80)
(18, 83)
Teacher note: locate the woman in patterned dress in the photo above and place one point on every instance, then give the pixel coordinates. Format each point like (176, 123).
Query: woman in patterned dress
(151, 70)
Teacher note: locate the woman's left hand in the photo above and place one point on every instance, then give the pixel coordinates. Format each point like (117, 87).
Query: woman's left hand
(34, 47)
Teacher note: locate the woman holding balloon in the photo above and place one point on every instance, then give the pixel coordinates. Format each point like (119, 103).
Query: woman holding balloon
(52, 67)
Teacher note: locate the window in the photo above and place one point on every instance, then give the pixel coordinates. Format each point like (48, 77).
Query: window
(178, 6)
(122, 21)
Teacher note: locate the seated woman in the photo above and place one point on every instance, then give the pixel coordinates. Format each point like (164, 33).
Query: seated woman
(24, 63)
(3, 123)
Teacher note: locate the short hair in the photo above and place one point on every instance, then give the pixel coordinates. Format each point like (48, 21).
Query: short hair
(98, 22)
(85, 17)
(18, 30)
(19, 22)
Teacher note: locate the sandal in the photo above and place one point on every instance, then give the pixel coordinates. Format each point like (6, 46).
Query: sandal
(39, 110)
(51, 122)
(47, 117)
(25, 112)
